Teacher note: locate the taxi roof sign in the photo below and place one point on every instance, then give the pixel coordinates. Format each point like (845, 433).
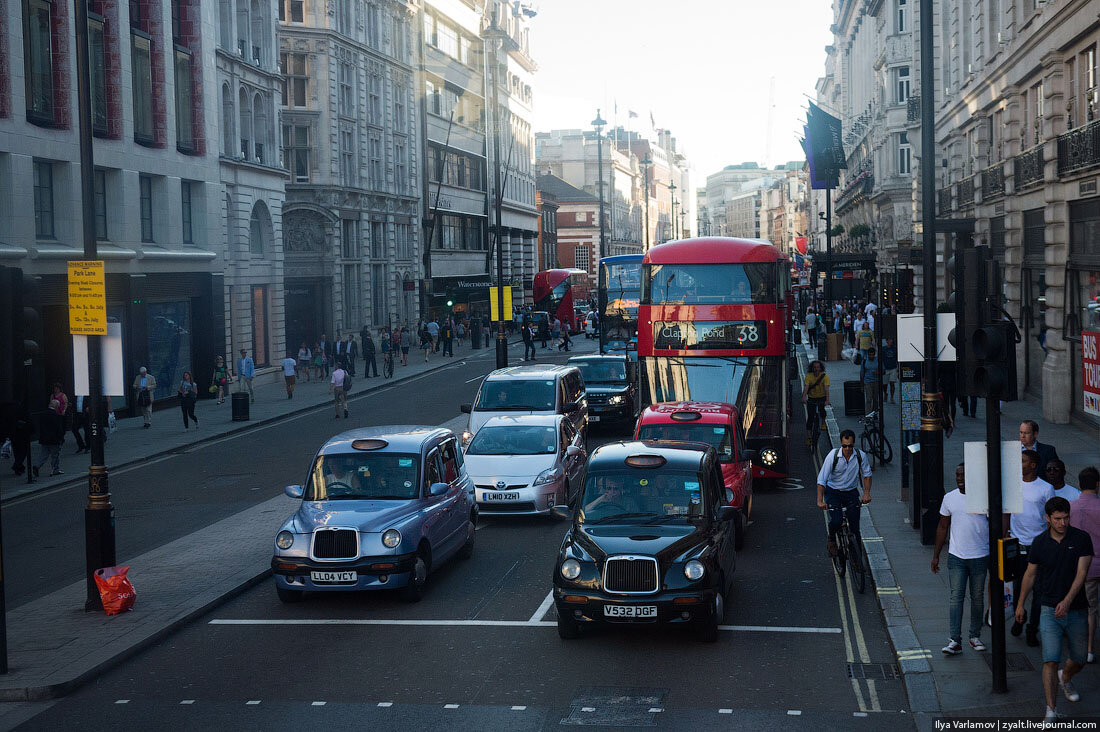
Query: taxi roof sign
(645, 461)
(371, 444)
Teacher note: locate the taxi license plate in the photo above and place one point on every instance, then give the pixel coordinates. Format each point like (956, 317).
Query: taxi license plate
(630, 611)
(509, 496)
(351, 576)
(593, 418)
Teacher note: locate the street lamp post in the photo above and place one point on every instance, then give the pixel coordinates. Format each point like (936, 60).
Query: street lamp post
(598, 123)
(672, 220)
(499, 37)
(646, 163)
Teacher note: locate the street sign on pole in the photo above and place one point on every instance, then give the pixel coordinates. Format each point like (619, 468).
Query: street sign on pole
(113, 379)
(975, 455)
(494, 300)
(87, 298)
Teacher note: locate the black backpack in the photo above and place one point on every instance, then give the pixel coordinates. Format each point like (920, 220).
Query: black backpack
(347, 383)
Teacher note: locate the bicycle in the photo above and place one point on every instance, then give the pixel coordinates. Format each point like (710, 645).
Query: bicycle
(387, 365)
(873, 441)
(849, 553)
(818, 416)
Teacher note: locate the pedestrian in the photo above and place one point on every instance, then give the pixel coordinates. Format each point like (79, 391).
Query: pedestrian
(889, 358)
(1057, 567)
(460, 331)
(1086, 516)
(815, 395)
(555, 330)
(967, 562)
(320, 361)
(246, 370)
(947, 376)
(426, 341)
(51, 436)
(58, 393)
(78, 424)
(220, 378)
(849, 334)
(565, 339)
(144, 384)
(327, 353)
(838, 482)
(865, 338)
(1026, 526)
(386, 342)
(189, 394)
(369, 362)
(352, 349)
(447, 334)
(811, 327)
(1029, 440)
(528, 341)
(406, 343)
(868, 374)
(337, 386)
(339, 353)
(305, 360)
(433, 331)
(290, 374)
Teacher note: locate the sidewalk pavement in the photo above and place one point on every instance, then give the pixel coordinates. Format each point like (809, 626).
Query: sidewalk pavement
(54, 646)
(130, 443)
(914, 601)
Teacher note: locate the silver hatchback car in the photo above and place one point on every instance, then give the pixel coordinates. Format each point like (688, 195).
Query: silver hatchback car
(526, 464)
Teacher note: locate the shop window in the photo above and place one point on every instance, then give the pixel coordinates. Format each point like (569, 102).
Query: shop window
(169, 331)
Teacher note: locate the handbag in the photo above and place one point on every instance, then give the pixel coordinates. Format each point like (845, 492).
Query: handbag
(213, 389)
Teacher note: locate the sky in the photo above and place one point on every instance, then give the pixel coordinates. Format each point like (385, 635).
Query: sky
(704, 68)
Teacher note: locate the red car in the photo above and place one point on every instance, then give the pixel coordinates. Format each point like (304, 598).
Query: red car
(715, 424)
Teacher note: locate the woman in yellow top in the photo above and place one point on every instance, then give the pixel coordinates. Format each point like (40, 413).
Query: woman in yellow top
(865, 339)
(815, 395)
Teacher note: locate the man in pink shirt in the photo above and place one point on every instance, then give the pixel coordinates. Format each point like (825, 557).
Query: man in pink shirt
(1085, 514)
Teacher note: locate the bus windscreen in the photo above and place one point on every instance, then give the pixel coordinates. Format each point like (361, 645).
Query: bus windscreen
(710, 284)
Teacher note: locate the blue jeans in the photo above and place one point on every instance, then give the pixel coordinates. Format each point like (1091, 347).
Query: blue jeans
(962, 572)
(841, 504)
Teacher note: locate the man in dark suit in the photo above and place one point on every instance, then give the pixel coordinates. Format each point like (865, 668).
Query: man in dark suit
(1029, 440)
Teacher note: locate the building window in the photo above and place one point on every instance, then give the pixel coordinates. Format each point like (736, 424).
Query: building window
(296, 86)
(1035, 114)
(380, 313)
(377, 240)
(1091, 99)
(905, 154)
(185, 127)
(374, 100)
(293, 9)
(580, 217)
(399, 119)
(400, 165)
(259, 229)
(431, 93)
(185, 211)
(347, 155)
(347, 90)
(343, 16)
(901, 84)
(141, 60)
(99, 186)
(43, 199)
(372, 26)
(296, 152)
(352, 286)
(902, 17)
(401, 241)
(145, 186)
(38, 60)
(98, 74)
(377, 173)
(350, 239)
(581, 259)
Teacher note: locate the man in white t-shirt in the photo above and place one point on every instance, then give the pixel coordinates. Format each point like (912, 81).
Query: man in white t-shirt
(336, 388)
(811, 327)
(289, 375)
(870, 308)
(967, 562)
(1026, 526)
(1056, 476)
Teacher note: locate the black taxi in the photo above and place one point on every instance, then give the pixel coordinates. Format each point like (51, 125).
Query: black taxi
(651, 541)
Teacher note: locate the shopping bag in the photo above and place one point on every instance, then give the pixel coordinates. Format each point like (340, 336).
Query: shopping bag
(5, 451)
(111, 423)
(115, 590)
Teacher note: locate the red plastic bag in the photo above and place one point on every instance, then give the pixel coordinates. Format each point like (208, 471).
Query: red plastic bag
(116, 592)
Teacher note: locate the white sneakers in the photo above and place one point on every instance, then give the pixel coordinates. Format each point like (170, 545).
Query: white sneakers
(976, 644)
(953, 648)
(1067, 689)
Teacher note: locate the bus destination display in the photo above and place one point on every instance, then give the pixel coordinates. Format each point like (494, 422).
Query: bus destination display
(702, 336)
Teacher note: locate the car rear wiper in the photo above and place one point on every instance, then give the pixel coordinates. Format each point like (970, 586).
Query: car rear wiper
(615, 516)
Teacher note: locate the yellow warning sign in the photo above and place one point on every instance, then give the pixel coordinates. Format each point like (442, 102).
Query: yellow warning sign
(493, 301)
(87, 298)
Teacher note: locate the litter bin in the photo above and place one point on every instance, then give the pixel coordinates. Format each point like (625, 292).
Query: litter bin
(240, 406)
(853, 399)
(797, 333)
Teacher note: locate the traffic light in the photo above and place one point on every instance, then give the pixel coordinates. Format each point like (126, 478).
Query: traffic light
(964, 267)
(993, 343)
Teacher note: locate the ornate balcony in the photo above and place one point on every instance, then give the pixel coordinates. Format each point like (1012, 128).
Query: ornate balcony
(993, 182)
(966, 192)
(1079, 149)
(1028, 168)
(943, 200)
(913, 108)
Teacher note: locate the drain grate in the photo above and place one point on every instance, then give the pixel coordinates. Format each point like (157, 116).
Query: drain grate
(615, 706)
(874, 671)
(1014, 661)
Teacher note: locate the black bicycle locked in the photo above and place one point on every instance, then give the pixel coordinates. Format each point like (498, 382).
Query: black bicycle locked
(873, 441)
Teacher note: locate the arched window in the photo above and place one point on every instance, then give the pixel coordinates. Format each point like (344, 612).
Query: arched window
(246, 125)
(229, 121)
(244, 25)
(259, 127)
(259, 229)
(225, 20)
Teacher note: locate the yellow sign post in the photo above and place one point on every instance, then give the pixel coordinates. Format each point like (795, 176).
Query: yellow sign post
(87, 298)
(493, 301)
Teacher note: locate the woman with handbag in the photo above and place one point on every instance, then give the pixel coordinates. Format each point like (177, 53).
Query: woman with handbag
(220, 378)
(189, 394)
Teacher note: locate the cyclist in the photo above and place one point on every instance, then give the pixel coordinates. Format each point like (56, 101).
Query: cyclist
(815, 395)
(838, 486)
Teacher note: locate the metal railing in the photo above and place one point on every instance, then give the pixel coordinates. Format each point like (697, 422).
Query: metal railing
(966, 192)
(943, 200)
(1028, 168)
(993, 182)
(1079, 149)
(913, 108)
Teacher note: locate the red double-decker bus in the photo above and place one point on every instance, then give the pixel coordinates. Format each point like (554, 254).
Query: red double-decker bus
(712, 326)
(558, 291)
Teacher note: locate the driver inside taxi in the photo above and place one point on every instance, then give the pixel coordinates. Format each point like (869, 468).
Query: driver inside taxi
(338, 477)
(612, 496)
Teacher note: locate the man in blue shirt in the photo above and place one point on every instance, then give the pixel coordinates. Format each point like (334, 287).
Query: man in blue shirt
(246, 370)
(838, 481)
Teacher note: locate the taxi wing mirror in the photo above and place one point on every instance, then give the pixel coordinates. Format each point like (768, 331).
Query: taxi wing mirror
(293, 491)
(438, 489)
(466, 408)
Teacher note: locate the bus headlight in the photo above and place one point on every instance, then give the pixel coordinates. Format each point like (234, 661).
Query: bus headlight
(769, 456)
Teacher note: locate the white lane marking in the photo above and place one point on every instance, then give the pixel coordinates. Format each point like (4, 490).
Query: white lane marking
(318, 704)
(794, 712)
(859, 714)
(655, 710)
(546, 602)
(725, 711)
(493, 623)
(188, 701)
(123, 701)
(475, 379)
(254, 702)
(519, 708)
(588, 709)
(385, 704)
(450, 706)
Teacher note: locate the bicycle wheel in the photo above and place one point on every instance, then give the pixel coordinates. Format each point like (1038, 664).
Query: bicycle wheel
(387, 368)
(839, 561)
(867, 445)
(857, 562)
(885, 452)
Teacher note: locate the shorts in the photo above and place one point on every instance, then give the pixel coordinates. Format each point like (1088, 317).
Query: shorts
(1091, 594)
(290, 380)
(405, 350)
(889, 376)
(1074, 628)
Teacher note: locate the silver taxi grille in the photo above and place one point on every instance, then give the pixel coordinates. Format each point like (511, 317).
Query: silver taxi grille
(630, 575)
(335, 544)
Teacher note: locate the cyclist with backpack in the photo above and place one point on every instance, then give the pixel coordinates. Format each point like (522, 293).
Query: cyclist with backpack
(838, 486)
(815, 395)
